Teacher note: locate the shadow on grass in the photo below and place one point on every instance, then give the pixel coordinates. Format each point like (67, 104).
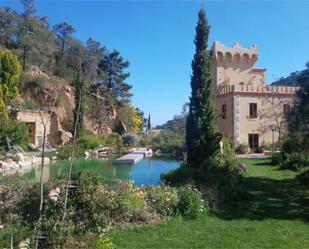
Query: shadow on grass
(271, 199)
(263, 163)
(258, 161)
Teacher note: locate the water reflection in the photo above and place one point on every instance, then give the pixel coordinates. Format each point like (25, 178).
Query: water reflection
(146, 172)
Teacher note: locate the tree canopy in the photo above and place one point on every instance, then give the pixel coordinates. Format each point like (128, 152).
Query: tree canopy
(299, 116)
(9, 79)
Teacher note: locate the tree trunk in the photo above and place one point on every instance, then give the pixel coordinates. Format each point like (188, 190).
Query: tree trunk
(24, 57)
(71, 162)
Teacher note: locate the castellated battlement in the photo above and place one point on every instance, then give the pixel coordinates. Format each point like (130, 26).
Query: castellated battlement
(251, 89)
(235, 65)
(235, 54)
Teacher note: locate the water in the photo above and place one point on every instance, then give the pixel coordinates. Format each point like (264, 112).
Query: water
(145, 172)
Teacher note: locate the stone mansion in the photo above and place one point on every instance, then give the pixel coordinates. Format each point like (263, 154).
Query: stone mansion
(250, 111)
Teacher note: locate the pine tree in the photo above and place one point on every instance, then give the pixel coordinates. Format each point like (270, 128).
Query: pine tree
(63, 32)
(202, 137)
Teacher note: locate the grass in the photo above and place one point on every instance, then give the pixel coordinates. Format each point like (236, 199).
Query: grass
(274, 215)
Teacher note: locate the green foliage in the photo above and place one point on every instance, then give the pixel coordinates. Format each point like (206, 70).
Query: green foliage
(130, 139)
(112, 73)
(29, 83)
(295, 161)
(226, 177)
(89, 142)
(98, 75)
(94, 209)
(222, 174)
(242, 149)
(183, 176)
(17, 231)
(64, 152)
(106, 243)
(169, 142)
(273, 215)
(114, 141)
(9, 80)
(228, 146)
(148, 126)
(63, 32)
(10, 70)
(265, 147)
(30, 105)
(296, 142)
(277, 158)
(303, 177)
(201, 128)
(162, 200)
(17, 133)
(299, 116)
(190, 203)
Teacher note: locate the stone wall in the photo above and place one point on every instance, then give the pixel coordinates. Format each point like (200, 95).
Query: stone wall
(32, 116)
(237, 85)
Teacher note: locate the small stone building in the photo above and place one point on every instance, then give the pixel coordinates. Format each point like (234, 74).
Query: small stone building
(250, 111)
(35, 119)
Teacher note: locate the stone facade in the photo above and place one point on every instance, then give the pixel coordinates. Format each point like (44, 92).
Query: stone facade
(250, 111)
(55, 135)
(34, 121)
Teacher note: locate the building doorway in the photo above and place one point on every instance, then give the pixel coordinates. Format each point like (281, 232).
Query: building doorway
(31, 128)
(253, 142)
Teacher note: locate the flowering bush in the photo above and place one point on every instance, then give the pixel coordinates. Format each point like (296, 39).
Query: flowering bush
(95, 208)
(106, 243)
(162, 200)
(190, 203)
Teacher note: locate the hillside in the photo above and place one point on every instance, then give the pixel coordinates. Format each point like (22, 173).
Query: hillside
(291, 80)
(62, 74)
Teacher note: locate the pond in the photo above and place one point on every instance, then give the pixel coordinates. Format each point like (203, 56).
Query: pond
(146, 172)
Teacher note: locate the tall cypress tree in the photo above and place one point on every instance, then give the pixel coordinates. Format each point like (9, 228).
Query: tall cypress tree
(202, 136)
(148, 123)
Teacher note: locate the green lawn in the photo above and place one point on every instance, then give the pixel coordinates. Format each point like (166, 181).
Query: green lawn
(274, 215)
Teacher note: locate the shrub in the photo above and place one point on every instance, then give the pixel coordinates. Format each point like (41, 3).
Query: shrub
(303, 177)
(89, 142)
(295, 161)
(106, 243)
(17, 133)
(32, 82)
(226, 176)
(127, 201)
(114, 141)
(242, 149)
(163, 200)
(265, 147)
(129, 139)
(30, 105)
(190, 203)
(222, 174)
(184, 175)
(228, 146)
(169, 142)
(296, 142)
(65, 151)
(277, 158)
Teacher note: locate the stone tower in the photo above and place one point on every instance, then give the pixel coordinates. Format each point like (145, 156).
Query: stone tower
(250, 111)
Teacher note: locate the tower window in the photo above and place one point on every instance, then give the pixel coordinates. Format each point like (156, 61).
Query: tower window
(253, 110)
(223, 112)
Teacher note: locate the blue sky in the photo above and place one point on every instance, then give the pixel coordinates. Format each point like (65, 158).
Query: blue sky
(157, 39)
